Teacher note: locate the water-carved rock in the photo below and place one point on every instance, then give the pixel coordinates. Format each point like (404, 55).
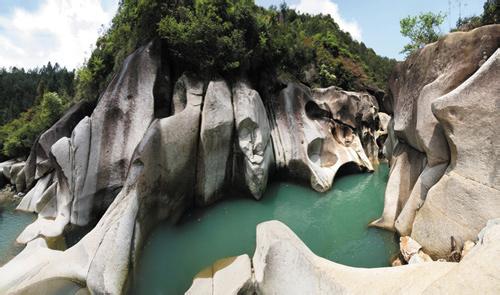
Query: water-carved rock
(254, 137)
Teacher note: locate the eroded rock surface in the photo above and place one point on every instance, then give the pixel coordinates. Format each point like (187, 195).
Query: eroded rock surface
(468, 194)
(453, 70)
(284, 265)
(216, 132)
(310, 144)
(254, 137)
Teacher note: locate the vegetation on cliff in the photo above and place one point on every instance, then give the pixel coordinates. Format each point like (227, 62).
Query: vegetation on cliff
(30, 102)
(235, 37)
(17, 136)
(490, 15)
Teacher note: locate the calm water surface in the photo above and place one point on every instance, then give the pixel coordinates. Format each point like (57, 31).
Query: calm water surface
(332, 224)
(12, 223)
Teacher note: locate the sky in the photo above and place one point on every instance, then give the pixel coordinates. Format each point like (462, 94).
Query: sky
(34, 32)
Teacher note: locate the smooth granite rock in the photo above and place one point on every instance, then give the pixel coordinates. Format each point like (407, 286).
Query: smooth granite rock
(468, 195)
(254, 137)
(214, 150)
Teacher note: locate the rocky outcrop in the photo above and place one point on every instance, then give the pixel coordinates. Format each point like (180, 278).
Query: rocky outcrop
(159, 185)
(284, 265)
(312, 145)
(229, 276)
(39, 163)
(91, 166)
(254, 138)
(468, 194)
(132, 170)
(216, 131)
(419, 85)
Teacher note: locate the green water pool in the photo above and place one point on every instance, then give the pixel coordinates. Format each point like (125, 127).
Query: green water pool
(12, 223)
(333, 225)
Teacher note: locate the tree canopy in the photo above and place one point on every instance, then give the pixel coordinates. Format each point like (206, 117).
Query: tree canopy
(490, 15)
(232, 38)
(422, 29)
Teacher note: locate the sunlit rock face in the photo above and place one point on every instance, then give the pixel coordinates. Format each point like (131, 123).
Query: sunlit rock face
(452, 70)
(216, 137)
(254, 138)
(124, 165)
(282, 264)
(468, 194)
(316, 132)
(90, 166)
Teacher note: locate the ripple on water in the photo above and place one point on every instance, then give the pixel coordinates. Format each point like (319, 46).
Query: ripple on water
(332, 224)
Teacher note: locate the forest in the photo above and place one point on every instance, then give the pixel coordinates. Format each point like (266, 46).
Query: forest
(212, 38)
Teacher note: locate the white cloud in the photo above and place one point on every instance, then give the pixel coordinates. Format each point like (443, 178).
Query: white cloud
(60, 31)
(331, 8)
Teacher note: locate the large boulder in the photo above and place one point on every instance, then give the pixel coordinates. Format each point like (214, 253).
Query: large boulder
(254, 138)
(358, 111)
(38, 163)
(406, 165)
(309, 144)
(284, 265)
(416, 85)
(91, 166)
(216, 131)
(468, 195)
(229, 276)
(159, 185)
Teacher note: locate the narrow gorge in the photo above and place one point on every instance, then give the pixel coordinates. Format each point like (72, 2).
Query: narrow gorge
(162, 150)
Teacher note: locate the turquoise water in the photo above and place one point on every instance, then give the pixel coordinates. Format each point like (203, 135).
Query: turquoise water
(12, 223)
(332, 224)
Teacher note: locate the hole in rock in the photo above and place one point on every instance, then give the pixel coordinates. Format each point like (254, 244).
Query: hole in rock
(313, 111)
(348, 169)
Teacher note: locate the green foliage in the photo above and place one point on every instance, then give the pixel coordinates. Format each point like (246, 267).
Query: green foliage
(213, 35)
(233, 38)
(422, 29)
(17, 136)
(20, 89)
(134, 24)
(491, 15)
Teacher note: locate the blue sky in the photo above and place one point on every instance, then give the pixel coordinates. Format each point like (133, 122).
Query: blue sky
(32, 32)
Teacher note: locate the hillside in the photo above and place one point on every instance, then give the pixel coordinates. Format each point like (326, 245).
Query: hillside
(232, 38)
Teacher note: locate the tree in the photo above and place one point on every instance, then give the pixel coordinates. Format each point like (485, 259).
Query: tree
(422, 29)
(491, 14)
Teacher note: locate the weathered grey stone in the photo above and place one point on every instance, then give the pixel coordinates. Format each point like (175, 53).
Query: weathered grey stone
(416, 85)
(38, 163)
(14, 170)
(216, 131)
(427, 179)
(311, 145)
(229, 276)
(118, 123)
(157, 188)
(469, 193)
(284, 265)
(254, 137)
(30, 200)
(406, 165)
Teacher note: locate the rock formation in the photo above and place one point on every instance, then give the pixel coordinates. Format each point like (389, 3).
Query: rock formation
(314, 132)
(282, 264)
(445, 103)
(468, 194)
(254, 138)
(132, 170)
(216, 131)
